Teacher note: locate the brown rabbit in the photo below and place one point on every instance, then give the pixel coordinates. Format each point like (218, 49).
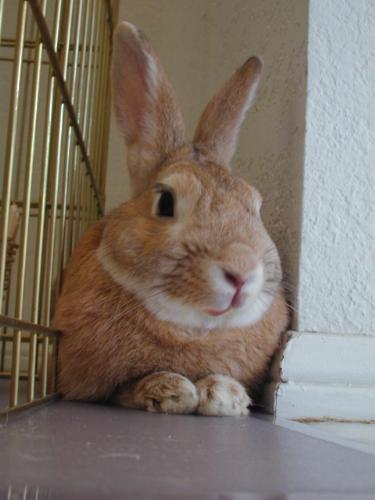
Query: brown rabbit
(173, 302)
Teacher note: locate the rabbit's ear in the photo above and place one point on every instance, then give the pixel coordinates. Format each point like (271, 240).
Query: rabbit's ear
(145, 106)
(217, 132)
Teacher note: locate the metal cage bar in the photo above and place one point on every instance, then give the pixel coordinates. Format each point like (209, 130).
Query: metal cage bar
(52, 172)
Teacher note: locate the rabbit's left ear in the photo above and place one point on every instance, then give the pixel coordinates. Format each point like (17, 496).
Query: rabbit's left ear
(217, 131)
(145, 105)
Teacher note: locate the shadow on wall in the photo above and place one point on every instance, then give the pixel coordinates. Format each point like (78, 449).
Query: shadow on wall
(200, 43)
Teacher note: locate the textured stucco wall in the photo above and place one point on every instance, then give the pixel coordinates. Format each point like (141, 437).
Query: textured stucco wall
(200, 43)
(336, 277)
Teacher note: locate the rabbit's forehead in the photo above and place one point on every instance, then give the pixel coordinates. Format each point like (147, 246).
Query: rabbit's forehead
(198, 182)
(184, 183)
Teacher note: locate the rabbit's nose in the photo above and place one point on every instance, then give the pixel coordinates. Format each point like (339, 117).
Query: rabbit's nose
(234, 279)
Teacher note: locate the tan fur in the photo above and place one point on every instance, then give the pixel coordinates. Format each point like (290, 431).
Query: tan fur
(217, 137)
(160, 391)
(111, 338)
(220, 395)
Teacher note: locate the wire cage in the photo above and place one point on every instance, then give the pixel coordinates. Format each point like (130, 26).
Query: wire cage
(54, 101)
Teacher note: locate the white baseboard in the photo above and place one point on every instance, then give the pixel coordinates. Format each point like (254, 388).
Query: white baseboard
(323, 376)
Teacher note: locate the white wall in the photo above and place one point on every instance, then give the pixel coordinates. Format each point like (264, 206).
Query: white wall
(200, 44)
(337, 262)
(328, 373)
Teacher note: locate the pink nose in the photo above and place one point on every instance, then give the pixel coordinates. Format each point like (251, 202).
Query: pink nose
(234, 279)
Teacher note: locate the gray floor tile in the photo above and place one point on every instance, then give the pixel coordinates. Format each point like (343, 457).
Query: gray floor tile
(73, 450)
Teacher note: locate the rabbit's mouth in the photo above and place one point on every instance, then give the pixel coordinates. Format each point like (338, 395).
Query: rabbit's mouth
(238, 300)
(217, 312)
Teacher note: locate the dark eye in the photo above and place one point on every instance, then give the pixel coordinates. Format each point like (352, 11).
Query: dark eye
(165, 204)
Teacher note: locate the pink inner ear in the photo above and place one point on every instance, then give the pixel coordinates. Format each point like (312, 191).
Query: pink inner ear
(145, 105)
(132, 88)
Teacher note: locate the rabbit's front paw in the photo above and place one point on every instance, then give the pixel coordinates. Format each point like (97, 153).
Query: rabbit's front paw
(166, 392)
(223, 396)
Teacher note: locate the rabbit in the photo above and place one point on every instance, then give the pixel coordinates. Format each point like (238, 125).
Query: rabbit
(173, 301)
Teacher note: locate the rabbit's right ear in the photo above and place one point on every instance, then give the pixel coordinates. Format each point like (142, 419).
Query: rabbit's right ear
(145, 105)
(217, 131)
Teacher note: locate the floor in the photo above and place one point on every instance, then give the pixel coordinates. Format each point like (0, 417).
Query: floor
(352, 432)
(74, 450)
(358, 436)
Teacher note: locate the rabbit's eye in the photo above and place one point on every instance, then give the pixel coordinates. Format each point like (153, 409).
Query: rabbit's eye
(165, 204)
